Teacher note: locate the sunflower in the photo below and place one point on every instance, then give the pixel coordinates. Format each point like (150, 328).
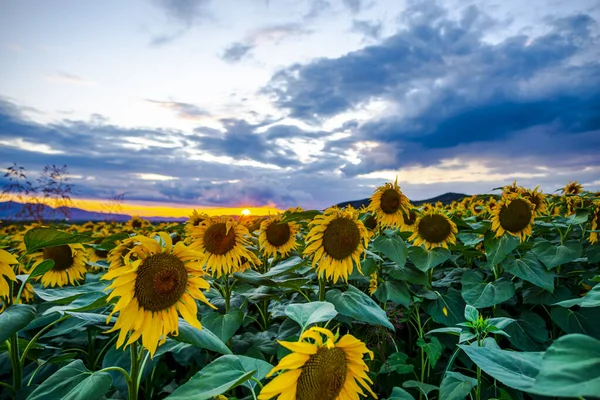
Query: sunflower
(409, 220)
(477, 207)
(222, 242)
(513, 215)
(69, 264)
(513, 189)
(491, 204)
(6, 260)
(137, 222)
(593, 239)
(388, 203)
(434, 229)
(538, 201)
(336, 241)
(330, 370)
(151, 290)
(373, 282)
(194, 220)
(116, 256)
(572, 188)
(277, 237)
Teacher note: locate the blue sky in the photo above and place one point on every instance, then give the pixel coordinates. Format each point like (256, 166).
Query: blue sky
(301, 102)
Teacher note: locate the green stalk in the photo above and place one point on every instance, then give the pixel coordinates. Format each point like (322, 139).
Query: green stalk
(133, 383)
(478, 390)
(322, 289)
(16, 364)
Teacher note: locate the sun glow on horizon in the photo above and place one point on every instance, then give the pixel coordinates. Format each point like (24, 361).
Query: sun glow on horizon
(246, 212)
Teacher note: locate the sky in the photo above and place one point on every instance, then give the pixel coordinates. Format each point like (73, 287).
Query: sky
(283, 103)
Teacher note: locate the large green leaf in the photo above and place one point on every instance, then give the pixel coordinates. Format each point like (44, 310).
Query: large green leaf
(496, 249)
(68, 293)
(553, 255)
(86, 302)
(310, 313)
(591, 299)
(593, 254)
(396, 362)
(482, 294)
(426, 260)
(584, 320)
(261, 367)
(201, 338)
(393, 248)
(456, 386)
(41, 269)
(218, 377)
(570, 367)
(15, 318)
(39, 238)
(400, 394)
(514, 369)
(285, 266)
(355, 304)
(74, 381)
(531, 270)
(528, 332)
(433, 349)
(223, 326)
(453, 304)
(424, 388)
(395, 291)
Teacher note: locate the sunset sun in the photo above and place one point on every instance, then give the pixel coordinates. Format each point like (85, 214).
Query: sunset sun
(246, 212)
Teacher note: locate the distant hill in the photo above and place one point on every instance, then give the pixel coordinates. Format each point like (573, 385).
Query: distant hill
(445, 198)
(8, 210)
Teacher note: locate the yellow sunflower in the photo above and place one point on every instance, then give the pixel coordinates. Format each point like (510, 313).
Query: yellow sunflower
(513, 189)
(434, 229)
(276, 237)
(194, 220)
(513, 215)
(477, 207)
(491, 204)
(538, 201)
(572, 188)
(6, 260)
(336, 241)
(165, 280)
(388, 203)
(593, 238)
(69, 264)
(137, 222)
(333, 369)
(409, 220)
(373, 283)
(116, 256)
(222, 242)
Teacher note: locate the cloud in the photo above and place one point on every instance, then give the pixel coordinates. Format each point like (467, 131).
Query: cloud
(183, 110)
(353, 5)
(317, 8)
(65, 77)
(268, 34)
(186, 12)
(370, 29)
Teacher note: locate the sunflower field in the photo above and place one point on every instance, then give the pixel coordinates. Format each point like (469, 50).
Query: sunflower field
(490, 297)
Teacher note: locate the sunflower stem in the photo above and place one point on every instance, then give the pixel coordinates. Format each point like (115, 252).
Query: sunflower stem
(36, 337)
(322, 289)
(16, 364)
(133, 382)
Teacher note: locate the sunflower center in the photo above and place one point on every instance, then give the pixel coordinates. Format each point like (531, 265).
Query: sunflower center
(161, 281)
(410, 218)
(516, 216)
(371, 222)
(434, 228)
(100, 253)
(323, 375)
(217, 240)
(136, 223)
(341, 238)
(278, 234)
(61, 255)
(390, 201)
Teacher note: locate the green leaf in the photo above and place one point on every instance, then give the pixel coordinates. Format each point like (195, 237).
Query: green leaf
(424, 388)
(39, 238)
(74, 381)
(426, 260)
(41, 268)
(593, 254)
(482, 294)
(408, 273)
(471, 313)
(514, 369)
(393, 248)
(496, 249)
(310, 313)
(69, 293)
(454, 304)
(201, 338)
(355, 304)
(261, 367)
(570, 367)
(470, 239)
(591, 299)
(456, 386)
(395, 291)
(584, 320)
(223, 326)
(86, 302)
(531, 270)
(288, 265)
(15, 318)
(552, 255)
(396, 362)
(433, 349)
(218, 377)
(528, 332)
(400, 394)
